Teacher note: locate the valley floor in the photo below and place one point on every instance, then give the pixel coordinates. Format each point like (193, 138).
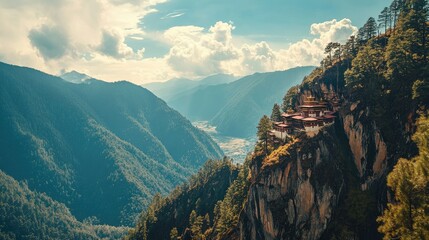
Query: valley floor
(235, 148)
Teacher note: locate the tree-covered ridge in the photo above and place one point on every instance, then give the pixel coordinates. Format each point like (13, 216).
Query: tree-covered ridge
(384, 72)
(102, 149)
(407, 217)
(194, 207)
(25, 214)
(384, 67)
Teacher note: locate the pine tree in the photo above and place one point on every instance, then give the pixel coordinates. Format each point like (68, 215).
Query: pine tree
(370, 28)
(196, 225)
(349, 50)
(290, 98)
(329, 49)
(408, 216)
(361, 36)
(264, 127)
(395, 8)
(276, 115)
(383, 18)
(336, 48)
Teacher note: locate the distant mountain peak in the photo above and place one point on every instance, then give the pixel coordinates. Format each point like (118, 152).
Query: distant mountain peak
(75, 77)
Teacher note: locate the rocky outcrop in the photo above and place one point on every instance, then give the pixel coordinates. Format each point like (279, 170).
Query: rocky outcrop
(294, 198)
(366, 143)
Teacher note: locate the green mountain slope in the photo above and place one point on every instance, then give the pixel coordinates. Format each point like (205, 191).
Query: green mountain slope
(31, 215)
(235, 108)
(103, 149)
(198, 197)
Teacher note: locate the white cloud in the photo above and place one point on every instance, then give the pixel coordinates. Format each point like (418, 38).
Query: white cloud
(196, 52)
(49, 34)
(112, 44)
(311, 52)
(89, 37)
(50, 41)
(174, 14)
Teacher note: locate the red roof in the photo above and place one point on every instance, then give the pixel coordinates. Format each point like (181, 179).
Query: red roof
(298, 117)
(312, 106)
(329, 116)
(283, 125)
(290, 115)
(309, 119)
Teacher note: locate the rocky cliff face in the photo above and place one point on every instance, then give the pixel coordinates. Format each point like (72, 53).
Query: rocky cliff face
(366, 143)
(332, 185)
(294, 196)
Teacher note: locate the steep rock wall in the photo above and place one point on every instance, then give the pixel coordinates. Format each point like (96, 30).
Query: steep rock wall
(366, 143)
(294, 197)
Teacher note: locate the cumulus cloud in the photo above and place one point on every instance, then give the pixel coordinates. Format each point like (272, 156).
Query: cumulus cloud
(90, 37)
(56, 34)
(257, 58)
(333, 31)
(311, 52)
(51, 42)
(195, 51)
(222, 32)
(112, 45)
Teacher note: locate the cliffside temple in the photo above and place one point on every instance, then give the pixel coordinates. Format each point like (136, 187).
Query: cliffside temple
(312, 115)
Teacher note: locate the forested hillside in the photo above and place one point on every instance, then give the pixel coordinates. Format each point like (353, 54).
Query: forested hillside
(206, 207)
(102, 149)
(26, 214)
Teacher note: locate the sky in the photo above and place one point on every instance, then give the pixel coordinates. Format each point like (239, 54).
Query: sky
(146, 41)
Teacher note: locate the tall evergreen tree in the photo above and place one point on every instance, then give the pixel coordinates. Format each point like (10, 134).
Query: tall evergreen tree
(395, 8)
(264, 127)
(383, 18)
(290, 98)
(276, 115)
(196, 225)
(336, 48)
(370, 28)
(329, 49)
(361, 36)
(350, 49)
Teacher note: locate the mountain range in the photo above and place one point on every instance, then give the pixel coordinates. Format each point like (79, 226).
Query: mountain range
(103, 149)
(235, 108)
(181, 86)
